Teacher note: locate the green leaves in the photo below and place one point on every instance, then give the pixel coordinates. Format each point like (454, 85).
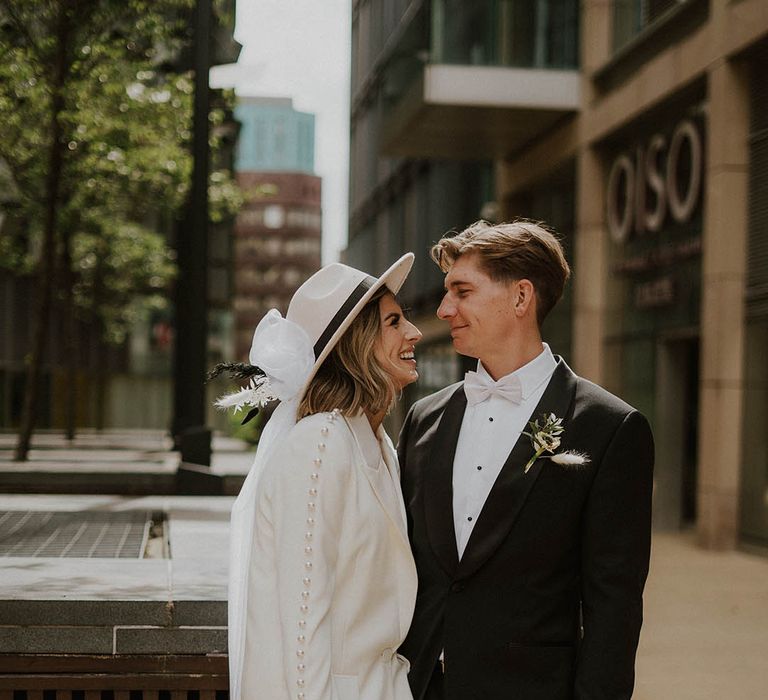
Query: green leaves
(126, 123)
(544, 435)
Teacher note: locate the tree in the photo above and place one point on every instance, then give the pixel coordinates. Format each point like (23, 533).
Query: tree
(95, 132)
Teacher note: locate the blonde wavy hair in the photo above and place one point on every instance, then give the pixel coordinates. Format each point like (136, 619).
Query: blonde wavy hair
(351, 378)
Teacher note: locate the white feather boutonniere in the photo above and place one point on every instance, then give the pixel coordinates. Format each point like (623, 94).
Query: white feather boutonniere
(570, 459)
(545, 439)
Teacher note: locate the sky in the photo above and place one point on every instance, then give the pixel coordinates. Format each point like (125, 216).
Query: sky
(301, 49)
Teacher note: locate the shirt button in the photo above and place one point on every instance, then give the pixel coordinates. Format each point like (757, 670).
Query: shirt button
(479, 468)
(490, 418)
(469, 518)
(457, 587)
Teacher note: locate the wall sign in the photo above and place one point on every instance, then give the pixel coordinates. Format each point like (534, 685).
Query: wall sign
(661, 179)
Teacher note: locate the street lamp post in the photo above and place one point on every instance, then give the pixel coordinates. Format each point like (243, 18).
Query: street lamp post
(191, 436)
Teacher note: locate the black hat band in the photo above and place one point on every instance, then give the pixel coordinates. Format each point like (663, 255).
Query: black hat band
(341, 315)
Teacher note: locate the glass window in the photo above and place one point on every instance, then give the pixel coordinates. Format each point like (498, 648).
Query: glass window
(529, 34)
(631, 17)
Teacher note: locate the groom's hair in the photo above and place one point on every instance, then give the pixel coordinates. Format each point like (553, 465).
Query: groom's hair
(510, 252)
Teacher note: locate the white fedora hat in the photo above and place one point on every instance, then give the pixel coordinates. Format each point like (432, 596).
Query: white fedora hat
(287, 352)
(329, 301)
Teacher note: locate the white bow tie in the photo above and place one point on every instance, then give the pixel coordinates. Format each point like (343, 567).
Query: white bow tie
(479, 387)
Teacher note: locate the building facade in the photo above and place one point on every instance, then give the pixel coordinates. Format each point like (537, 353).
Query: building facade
(278, 231)
(639, 131)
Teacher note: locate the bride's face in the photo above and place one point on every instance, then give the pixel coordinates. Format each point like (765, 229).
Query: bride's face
(395, 349)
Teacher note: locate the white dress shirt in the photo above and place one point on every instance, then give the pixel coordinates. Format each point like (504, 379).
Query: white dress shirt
(488, 433)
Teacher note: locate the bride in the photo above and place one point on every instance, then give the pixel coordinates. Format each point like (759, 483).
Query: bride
(322, 581)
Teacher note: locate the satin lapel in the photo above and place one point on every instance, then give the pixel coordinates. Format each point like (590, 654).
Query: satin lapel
(513, 485)
(438, 483)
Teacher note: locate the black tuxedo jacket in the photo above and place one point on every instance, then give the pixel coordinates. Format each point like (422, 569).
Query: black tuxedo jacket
(546, 602)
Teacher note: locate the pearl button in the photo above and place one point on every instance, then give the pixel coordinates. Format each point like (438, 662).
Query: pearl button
(307, 535)
(300, 668)
(307, 564)
(306, 580)
(300, 653)
(308, 549)
(311, 505)
(324, 430)
(301, 639)
(300, 682)
(304, 608)
(314, 476)
(312, 492)
(317, 461)
(305, 595)
(302, 625)
(310, 521)
(300, 696)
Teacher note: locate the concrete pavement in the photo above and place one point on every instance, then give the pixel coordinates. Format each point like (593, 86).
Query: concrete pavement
(135, 462)
(705, 635)
(172, 600)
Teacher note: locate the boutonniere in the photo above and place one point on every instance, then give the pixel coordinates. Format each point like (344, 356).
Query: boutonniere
(545, 438)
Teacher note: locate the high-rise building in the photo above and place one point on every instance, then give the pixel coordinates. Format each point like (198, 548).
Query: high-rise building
(440, 91)
(278, 231)
(638, 130)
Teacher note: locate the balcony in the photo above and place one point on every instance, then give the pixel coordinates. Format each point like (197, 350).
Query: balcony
(479, 80)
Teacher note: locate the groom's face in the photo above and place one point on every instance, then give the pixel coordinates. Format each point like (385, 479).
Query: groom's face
(479, 309)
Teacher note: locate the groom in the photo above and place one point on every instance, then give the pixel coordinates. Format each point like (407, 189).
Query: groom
(531, 541)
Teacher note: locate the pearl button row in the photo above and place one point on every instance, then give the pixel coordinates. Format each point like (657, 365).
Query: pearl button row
(314, 476)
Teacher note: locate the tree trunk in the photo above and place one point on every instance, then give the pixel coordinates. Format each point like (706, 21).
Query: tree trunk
(101, 350)
(48, 255)
(70, 337)
(101, 386)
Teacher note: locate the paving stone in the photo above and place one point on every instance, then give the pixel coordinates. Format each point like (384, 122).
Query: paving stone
(199, 580)
(55, 640)
(95, 482)
(88, 612)
(157, 640)
(200, 613)
(84, 579)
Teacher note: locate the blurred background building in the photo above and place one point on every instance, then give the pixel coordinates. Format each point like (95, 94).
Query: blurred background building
(278, 231)
(639, 130)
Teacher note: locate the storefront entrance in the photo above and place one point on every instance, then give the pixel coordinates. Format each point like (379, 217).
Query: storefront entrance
(676, 432)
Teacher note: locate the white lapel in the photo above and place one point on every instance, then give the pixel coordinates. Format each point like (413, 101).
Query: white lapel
(379, 464)
(393, 466)
(380, 468)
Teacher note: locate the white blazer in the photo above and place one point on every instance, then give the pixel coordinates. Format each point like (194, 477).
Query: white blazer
(332, 582)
